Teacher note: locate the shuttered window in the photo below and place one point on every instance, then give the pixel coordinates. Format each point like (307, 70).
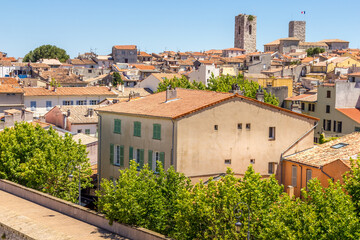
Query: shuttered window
(294, 176)
(141, 158)
(150, 159)
(157, 131)
(112, 153)
(137, 129)
(117, 126)
(131, 154)
(308, 176)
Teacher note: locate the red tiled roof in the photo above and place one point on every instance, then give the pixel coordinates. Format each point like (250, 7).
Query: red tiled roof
(303, 97)
(323, 154)
(7, 88)
(125, 47)
(144, 67)
(68, 91)
(8, 80)
(187, 101)
(352, 113)
(234, 49)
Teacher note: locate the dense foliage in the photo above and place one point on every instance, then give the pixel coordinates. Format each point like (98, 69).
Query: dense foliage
(43, 160)
(313, 51)
(182, 82)
(116, 80)
(169, 204)
(221, 84)
(46, 51)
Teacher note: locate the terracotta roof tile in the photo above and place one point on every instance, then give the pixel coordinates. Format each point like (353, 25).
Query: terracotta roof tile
(352, 113)
(323, 154)
(8, 80)
(7, 88)
(79, 114)
(144, 54)
(69, 91)
(125, 47)
(187, 101)
(234, 49)
(304, 97)
(144, 67)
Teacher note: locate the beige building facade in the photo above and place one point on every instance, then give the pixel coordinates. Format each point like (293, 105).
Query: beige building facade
(200, 134)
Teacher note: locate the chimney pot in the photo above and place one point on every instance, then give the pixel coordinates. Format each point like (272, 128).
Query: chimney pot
(90, 112)
(68, 112)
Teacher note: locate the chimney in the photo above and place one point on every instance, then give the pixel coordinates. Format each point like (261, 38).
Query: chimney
(260, 95)
(55, 87)
(170, 93)
(302, 91)
(68, 113)
(90, 112)
(48, 86)
(49, 79)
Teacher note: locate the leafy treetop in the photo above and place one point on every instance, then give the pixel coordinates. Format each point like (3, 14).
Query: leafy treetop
(43, 160)
(46, 51)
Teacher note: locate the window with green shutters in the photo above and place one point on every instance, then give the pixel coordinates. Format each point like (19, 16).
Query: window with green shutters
(121, 156)
(112, 153)
(137, 129)
(157, 131)
(161, 160)
(131, 154)
(117, 126)
(150, 159)
(141, 158)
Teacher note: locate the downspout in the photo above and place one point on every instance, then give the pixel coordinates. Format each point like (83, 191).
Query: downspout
(301, 173)
(322, 170)
(172, 145)
(99, 150)
(282, 154)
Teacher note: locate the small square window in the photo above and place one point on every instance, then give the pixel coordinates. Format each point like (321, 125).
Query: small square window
(79, 130)
(216, 127)
(252, 161)
(248, 126)
(271, 133)
(87, 131)
(227, 161)
(239, 125)
(271, 168)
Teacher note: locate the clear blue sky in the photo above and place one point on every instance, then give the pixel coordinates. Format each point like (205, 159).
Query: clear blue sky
(78, 25)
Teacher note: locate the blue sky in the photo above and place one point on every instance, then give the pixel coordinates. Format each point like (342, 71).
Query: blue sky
(158, 25)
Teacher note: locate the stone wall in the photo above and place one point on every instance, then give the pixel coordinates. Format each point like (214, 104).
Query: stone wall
(8, 233)
(245, 32)
(297, 29)
(77, 212)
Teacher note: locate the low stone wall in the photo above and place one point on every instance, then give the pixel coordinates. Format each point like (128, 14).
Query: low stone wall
(7, 232)
(78, 212)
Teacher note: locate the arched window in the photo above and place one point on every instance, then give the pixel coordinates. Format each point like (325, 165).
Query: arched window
(250, 29)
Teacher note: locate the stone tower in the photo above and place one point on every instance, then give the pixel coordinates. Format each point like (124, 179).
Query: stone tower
(297, 29)
(245, 32)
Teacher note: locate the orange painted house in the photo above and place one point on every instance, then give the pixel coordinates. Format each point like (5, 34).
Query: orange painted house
(326, 161)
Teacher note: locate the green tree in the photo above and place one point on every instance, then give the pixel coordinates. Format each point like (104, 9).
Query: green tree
(314, 51)
(46, 51)
(142, 198)
(324, 213)
(249, 88)
(352, 183)
(116, 80)
(220, 84)
(182, 82)
(43, 160)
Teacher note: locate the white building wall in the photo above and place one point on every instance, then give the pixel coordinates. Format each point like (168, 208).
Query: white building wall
(150, 82)
(204, 73)
(82, 127)
(41, 109)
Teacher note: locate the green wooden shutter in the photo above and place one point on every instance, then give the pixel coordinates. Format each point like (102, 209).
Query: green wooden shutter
(162, 159)
(121, 156)
(150, 153)
(112, 153)
(157, 131)
(131, 154)
(141, 163)
(117, 126)
(137, 129)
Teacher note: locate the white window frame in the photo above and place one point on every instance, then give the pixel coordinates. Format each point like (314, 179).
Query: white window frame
(67, 102)
(156, 158)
